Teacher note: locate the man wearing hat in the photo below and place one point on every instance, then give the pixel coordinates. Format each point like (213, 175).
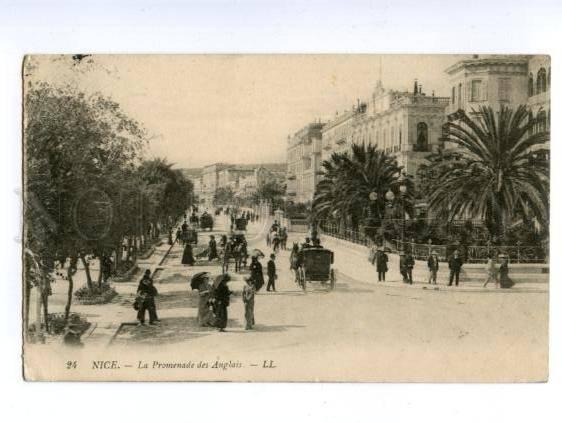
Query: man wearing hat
(381, 260)
(271, 273)
(455, 264)
(145, 300)
(403, 267)
(433, 265)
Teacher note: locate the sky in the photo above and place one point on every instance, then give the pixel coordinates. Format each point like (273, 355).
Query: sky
(203, 109)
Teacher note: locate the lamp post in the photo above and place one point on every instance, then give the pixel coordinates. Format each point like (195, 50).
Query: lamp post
(390, 197)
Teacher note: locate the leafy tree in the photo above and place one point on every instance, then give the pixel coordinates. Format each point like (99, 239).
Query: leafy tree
(498, 171)
(77, 148)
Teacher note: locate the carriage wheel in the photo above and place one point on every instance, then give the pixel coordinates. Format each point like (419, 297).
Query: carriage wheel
(332, 279)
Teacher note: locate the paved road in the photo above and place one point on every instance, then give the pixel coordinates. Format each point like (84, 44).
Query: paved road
(361, 330)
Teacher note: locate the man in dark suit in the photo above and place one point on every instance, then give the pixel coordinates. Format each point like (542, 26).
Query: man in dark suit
(455, 264)
(271, 273)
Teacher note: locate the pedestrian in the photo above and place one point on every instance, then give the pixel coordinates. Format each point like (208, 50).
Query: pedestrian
(275, 242)
(221, 301)
(403, 267)
(178, 235)
(381, 260)
(256, 273)
(433, 266)
(146, 292)
(170, 236)
(491, 271)
(213, 254)
(205, 316)
(271, 273)
(187, 257)
(409, 263)
(455, 264)
(505, 280)
(248, 296)
(106, 267)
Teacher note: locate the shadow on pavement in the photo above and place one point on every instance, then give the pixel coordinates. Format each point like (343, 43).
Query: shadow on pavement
(171, 330)
(177, 299)
(276, 328)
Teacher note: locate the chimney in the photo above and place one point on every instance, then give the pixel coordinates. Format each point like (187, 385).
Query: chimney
(415, 86)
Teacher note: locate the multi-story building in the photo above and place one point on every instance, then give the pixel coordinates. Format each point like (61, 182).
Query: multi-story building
(405, 124)
(501, 80)
(242, 179)
(304, 155)
(210, 182)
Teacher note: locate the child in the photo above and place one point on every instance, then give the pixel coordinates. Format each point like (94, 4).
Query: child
(248, 295)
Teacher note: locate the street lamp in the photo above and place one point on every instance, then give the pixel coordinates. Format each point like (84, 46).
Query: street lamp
(390, 196)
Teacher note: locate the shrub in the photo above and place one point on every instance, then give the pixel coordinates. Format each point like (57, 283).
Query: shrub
(96, 295)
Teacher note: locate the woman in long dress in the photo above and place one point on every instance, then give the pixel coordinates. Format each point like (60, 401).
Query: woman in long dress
(221, 301)
(505, 280)
(187, 255)
(256, 272)
(205, 315)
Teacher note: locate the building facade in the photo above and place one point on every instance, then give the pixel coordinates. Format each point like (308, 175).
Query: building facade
(501, 80)
(304, 154)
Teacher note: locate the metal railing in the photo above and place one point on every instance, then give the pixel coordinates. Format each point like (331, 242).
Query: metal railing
(471, 253)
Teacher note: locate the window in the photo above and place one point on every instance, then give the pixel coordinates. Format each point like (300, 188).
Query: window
(453, 95)
(421, 141)
(541, 81)
(460, 95)
(504, 89)
(476, 90)
(530, 85)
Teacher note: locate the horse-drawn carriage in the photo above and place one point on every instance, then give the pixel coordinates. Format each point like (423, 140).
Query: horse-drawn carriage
(314, 264)
(240, 224)
(206, 221)
(235, 250)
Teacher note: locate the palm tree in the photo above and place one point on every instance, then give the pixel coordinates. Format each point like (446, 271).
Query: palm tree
(500, 170)
(354, 186)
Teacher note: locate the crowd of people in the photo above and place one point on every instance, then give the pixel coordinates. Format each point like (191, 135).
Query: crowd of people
(497, 268)
(214, 293)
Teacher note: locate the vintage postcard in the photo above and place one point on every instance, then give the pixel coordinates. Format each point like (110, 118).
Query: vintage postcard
(345, 218)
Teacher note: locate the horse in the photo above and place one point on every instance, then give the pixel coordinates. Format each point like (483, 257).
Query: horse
(294, 259)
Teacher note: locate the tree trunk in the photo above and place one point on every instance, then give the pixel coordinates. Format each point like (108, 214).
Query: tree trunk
(129, 244)
(100, 274)
(88, 274)
(69, 273)
(135, 249)
(45, 298)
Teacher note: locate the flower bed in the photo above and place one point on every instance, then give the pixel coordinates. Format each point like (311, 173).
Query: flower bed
(104, 295)
(76, 322)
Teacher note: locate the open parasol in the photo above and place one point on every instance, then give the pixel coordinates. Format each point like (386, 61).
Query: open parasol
(220, 278)
(257, 253)
(197, 279)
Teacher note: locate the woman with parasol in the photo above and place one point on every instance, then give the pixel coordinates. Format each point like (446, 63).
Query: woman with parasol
(221, 301)
(200, 282)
